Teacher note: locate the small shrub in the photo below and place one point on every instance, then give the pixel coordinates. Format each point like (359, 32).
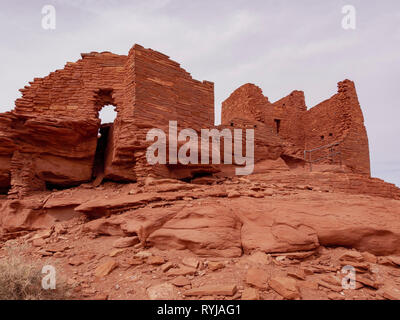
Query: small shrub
(22, 280)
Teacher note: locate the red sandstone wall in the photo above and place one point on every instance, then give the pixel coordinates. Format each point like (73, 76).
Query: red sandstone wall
(73, 89)
(63, 107)
(340, 119)
(289, 110)
(7, 147)
(267, 144)
(56, 119)
(246, 102)
(162, 92)
(51, 136)
(247, 107)
(167, 92)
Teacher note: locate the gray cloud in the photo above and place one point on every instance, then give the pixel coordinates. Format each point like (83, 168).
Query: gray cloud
(278, 45)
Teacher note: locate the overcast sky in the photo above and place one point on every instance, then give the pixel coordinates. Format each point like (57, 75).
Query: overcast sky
(280, 45)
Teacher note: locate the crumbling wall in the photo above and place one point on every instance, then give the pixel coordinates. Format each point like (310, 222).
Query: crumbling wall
(77, 90)
(287, 113)
(56, 122)
(267, 144)
(7, 147)
(51, 137)
(158, 91)
(338, 119)
(167, 92)
(246, 102)
(283, 118)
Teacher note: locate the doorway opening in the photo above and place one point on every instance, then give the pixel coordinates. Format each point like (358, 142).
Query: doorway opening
(107, 113)
(101, 151)
(107, 116)
(277, 125)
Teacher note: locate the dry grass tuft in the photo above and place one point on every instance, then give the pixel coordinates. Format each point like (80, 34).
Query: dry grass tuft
(22, 280)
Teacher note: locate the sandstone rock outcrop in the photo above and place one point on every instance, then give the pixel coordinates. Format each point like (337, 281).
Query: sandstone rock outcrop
(208, 222)
(291, 245)
(278, 226)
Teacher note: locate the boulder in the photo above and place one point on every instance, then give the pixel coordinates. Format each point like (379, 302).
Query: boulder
(105, 268)
(207, 230)
(257, 278)
(250, 294)
(163, 291)
(286, 287)
(180, 281)
(125, 242)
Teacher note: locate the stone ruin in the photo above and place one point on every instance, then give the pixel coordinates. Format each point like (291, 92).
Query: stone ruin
(336, 122)
(51, 139)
